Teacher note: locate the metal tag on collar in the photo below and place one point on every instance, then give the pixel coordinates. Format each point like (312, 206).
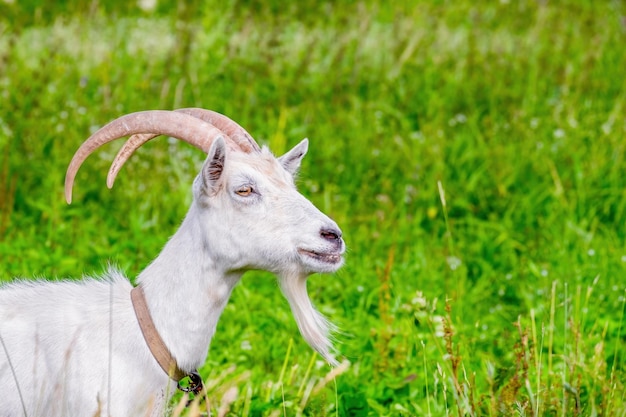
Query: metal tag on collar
(195, 383)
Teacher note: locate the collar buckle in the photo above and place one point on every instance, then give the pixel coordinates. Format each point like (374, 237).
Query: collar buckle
(195, 385)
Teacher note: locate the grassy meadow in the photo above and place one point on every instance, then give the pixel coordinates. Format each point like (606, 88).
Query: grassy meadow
(472, 152)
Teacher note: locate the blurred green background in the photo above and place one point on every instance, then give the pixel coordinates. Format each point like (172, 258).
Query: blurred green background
(472, 152)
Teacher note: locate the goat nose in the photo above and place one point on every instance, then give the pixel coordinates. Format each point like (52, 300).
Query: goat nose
(331, 234)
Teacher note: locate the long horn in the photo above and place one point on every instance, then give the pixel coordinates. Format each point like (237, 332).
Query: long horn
(162, 122)
(232, 129)
(226, 125)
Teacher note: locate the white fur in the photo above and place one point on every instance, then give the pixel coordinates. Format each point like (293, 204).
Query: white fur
(74, 348)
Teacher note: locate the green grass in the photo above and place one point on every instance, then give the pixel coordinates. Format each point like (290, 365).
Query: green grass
(473, 153)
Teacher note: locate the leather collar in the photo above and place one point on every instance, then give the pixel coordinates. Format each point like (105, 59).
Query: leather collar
(156, 345)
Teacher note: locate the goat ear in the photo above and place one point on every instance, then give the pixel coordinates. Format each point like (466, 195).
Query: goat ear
(291, 160)
(214, 166)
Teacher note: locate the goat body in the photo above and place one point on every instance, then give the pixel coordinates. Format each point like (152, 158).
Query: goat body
(75, 348)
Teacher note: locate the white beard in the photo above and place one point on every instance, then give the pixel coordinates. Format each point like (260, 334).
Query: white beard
(314, 327)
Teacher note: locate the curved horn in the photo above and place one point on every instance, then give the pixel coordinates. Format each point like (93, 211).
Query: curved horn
(232, 129)
(162, 122)
(226, 125)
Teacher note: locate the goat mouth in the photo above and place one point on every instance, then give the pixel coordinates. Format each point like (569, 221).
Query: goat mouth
(325, 257)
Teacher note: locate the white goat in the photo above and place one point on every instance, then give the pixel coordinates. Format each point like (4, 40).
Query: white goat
(90, 348)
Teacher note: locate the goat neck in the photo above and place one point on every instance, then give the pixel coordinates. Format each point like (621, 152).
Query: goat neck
(186, 292)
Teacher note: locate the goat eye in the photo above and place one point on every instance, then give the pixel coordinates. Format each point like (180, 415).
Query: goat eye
(244, 191)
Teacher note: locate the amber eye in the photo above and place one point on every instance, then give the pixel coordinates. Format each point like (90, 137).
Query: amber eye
(244, 191)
